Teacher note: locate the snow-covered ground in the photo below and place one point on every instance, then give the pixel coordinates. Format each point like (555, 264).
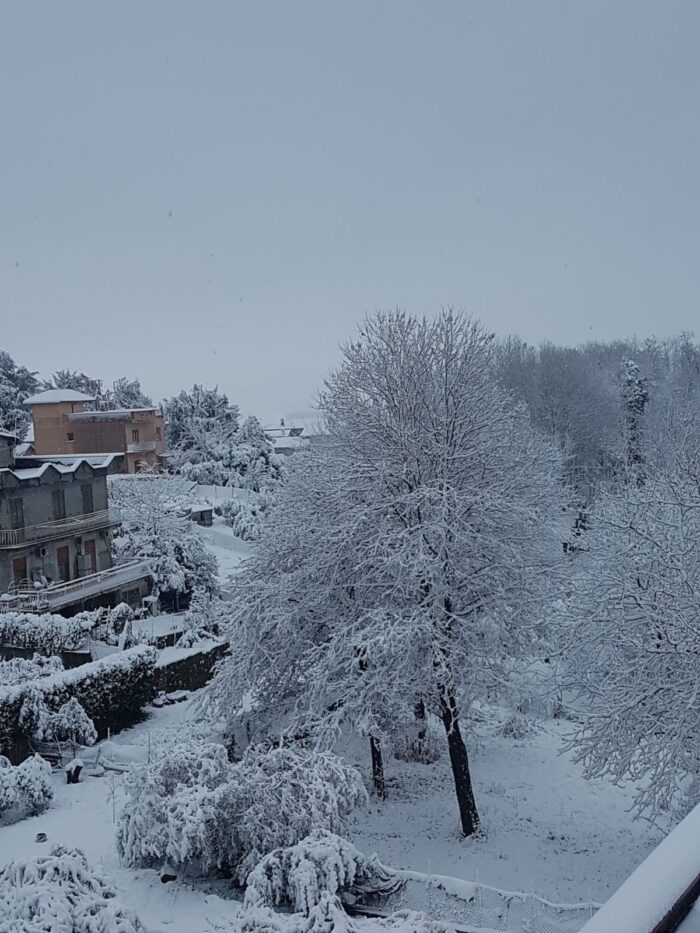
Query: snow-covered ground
(548, 830)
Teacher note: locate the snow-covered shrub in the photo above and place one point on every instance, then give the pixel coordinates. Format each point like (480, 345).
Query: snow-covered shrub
(118, 617)
(47, 634)
(70, 723)
(112, 691)
(299, 876)
(21, 670)
(284, 795)
(244, 516)
(417, 742)
(27, 787)
(194, 806)
(60, 893)
(33, 785)
(517, 726)
(171, 804)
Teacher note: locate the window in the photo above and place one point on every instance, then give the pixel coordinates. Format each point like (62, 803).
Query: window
(17, 513)
(58, 504)
(70, 437)
(158, 434)
(135, 436)
(88, 500)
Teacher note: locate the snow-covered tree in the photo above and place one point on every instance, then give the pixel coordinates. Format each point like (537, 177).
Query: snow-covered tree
(410, 553)
(154, 528)
(127, 393)
(16, 384)
(635, 395)
(254, 464)
(61, 893)
(79, 382)
(634, 647)
(199, 423)
(208, 445)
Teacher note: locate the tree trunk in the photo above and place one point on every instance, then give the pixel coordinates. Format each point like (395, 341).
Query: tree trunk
(460, 764)
(377, 769)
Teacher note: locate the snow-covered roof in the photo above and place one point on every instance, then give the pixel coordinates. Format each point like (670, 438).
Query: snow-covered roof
(63, 465)
(201, 507)
(12, 437)
(112, 414)
(53, 396)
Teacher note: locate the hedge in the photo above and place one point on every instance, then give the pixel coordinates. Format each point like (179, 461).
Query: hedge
(48, 634)
(112, 691)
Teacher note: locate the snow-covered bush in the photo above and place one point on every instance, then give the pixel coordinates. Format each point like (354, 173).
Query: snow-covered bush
(244, 516)
(47, 634)
(283, 795)
(21, 670)
(298, 877)
(517, 726)
(194, 806)
(34, 787)
(417, 741)
(60, 893)
(112, 691)
(27, 787)
(154, 528)
(118, 618)
(69, 724)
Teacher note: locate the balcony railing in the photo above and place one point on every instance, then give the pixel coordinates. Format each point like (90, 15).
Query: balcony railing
(141, 448)
(28, 598)
(63, 528)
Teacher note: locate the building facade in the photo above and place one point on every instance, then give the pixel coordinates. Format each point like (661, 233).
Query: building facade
(56, 535)
(66, 422)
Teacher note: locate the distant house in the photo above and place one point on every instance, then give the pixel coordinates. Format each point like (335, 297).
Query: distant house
(67, 422)
(287, 440)
(55, 535)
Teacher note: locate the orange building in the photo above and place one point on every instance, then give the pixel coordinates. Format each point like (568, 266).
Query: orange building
(66, 422)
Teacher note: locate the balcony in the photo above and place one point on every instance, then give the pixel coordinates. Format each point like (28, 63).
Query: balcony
(143, 447)
(63, 528)
(27, 598)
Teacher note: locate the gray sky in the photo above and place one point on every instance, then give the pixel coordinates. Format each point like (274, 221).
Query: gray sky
(218, 191)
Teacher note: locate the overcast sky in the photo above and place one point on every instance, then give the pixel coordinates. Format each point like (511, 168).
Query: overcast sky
(217, 191)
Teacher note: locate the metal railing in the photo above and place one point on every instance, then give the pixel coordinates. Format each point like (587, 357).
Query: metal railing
(30, 598)
(72, 525)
